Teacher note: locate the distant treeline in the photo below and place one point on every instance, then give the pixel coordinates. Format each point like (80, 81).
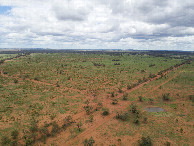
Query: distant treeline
(108, 52)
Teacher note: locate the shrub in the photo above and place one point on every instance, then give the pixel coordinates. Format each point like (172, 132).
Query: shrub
(29, 141)
(140, 98)
(36, 78)
(152, 75)
(88, 109)
(14, 134)
(55, 129)
(120, 90)
(145, 120)
(5, 140)
(33, 127)
(181, 130)
(150, 100)
(99, 106)
(15, 81)
(116, 63)
(167, 143)
(191, 97)
(145, 141)
(122, 116)
(125, 96)
(129, 87)
(52, 116)
(112, 94)
(14, 143)
(91, 118)
(151, 65)
(142, 71)
(79, 125)
(44, 131)
(136, 121)
(166, 97)
(114, 101)
(67, 122)
(105, 111)
(133, 108)
(89, 142)
(43, 138)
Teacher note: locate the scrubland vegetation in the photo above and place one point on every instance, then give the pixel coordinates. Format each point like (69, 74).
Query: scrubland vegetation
(96, 98)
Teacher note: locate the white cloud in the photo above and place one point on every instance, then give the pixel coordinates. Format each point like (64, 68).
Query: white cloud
(132, 24)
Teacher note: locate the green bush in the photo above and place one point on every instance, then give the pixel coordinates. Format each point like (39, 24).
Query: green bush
(166, 97)
(55, 129)
(191, 97)
(15, 81)
(122, 116)
(36, 78)
(89, 142)
(88, 109)
(120, 90)
(91, 118)
(125, 96)
(112, 94)
(129, 87)
(105, 111)
(133, 108)
(140, 98)
(145, 141)
(5, 140)
(168, 143)
(114, 101)
(14, 134)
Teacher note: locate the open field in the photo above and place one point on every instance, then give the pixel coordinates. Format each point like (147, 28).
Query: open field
(66, 98)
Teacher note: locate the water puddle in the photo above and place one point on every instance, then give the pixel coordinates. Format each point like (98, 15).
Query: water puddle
(154, 109)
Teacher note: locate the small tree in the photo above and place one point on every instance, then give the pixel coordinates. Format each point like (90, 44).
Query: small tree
(15, 81)
(79, 126)
(55, 129)
(129, 87)
(145, 141)
(91, 118)
(140, 98)
(125, 96)
(89, 142)
(120, 90)
(112, 94)
(14, 134)
(5, 140)
(114, 101)
(133, 108)
(105, 111)
(166, 97)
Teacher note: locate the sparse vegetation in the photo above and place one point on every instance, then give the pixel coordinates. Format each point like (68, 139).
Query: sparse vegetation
(38, 92)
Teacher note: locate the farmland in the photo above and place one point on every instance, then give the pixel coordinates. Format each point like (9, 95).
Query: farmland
(96, 98)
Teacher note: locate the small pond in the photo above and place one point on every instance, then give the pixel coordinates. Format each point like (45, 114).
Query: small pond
(154, 109)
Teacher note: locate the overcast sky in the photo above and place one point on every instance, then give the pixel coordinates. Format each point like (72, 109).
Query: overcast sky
(97, 24)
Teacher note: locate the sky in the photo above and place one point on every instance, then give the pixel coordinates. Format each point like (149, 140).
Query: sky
(97, 24)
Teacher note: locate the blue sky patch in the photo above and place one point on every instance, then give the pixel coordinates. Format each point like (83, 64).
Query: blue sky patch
(4, 9)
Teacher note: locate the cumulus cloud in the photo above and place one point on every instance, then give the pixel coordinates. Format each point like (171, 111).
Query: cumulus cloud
(124, 24)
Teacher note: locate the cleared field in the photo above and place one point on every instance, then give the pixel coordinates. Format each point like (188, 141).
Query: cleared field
(39, 91)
